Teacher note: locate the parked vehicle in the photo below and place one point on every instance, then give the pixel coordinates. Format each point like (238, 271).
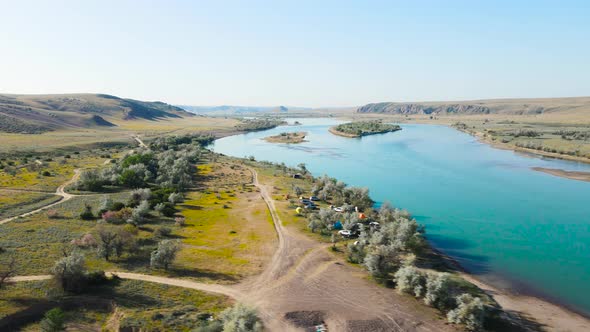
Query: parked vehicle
(339, 209)
(345, 233)
(314, 198)
(310, 206)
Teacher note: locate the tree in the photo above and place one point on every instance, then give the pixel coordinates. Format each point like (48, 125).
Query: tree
(106, 242)
(7, 271)
(175, 198)
(70, 272)
(410, 280)
(123, 241)
(160, 208)
(470, 311)
(165, 254)
(438, 290)
(240, 318)
(140, 212)
(381, 260)
(53, 321)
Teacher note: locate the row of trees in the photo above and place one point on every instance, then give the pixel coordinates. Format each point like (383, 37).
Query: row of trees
(439, 290)
(389, 251)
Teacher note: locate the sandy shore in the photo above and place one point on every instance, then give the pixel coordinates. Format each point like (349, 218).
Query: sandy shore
(535, 313)
(581, 176)
(339, 133)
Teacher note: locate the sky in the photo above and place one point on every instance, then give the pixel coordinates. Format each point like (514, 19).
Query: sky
(297, 53)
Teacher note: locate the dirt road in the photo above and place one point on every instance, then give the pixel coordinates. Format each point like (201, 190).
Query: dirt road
(60, 192)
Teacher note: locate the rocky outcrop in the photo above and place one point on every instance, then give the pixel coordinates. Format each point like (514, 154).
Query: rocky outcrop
(413, 108)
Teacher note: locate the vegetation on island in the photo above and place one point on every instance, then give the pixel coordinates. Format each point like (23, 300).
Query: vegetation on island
(259, 124)
(363, 128)
(297, 137)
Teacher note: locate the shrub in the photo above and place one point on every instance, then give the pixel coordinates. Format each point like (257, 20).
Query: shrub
(46, 173)
(175, 198)
(163, 231)
(112, 217)
(240, 318)
(117, 206)
(180, 221)
(86, 241)
(87, 213)
(470, 311)
(410, 280)
(438, 291)
(52, 214)
(53, 321)
(160, 208)
(130, 229)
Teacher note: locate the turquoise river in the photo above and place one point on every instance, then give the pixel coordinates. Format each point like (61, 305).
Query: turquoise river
(510, 225)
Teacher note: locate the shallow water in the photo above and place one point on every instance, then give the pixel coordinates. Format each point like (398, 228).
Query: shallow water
(483, 206)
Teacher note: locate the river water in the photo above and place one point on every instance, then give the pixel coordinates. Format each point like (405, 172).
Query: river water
(514, 227)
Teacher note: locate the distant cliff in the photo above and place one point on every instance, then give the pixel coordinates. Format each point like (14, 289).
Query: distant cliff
(398, 108)
(580, 105)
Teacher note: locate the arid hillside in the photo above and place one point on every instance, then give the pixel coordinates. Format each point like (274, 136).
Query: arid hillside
(34, 114)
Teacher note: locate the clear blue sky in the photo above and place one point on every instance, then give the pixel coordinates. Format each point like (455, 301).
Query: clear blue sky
(305, 53)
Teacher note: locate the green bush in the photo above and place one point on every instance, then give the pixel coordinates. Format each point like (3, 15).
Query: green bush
(53, 321)
(87, 214)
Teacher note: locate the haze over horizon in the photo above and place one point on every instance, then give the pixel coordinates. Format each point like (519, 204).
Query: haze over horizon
(308, 54)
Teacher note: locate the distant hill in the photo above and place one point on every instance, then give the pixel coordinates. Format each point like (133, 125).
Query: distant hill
(41, 113)
(492, 106)
(241, 110)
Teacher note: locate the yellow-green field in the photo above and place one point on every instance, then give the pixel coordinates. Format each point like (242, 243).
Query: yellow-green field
(229, 230)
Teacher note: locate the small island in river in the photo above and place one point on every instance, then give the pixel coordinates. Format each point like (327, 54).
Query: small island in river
(291, 138)
(363, 128)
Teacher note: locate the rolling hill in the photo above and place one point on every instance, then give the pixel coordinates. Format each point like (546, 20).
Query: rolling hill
(578, 105)
(33, 114)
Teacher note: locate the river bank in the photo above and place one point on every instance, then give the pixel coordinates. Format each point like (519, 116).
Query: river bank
(531, 312)
(435, 164)
(483, 139)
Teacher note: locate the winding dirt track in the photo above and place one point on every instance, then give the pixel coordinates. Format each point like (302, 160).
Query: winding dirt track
(60, 192)
(303, 275)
